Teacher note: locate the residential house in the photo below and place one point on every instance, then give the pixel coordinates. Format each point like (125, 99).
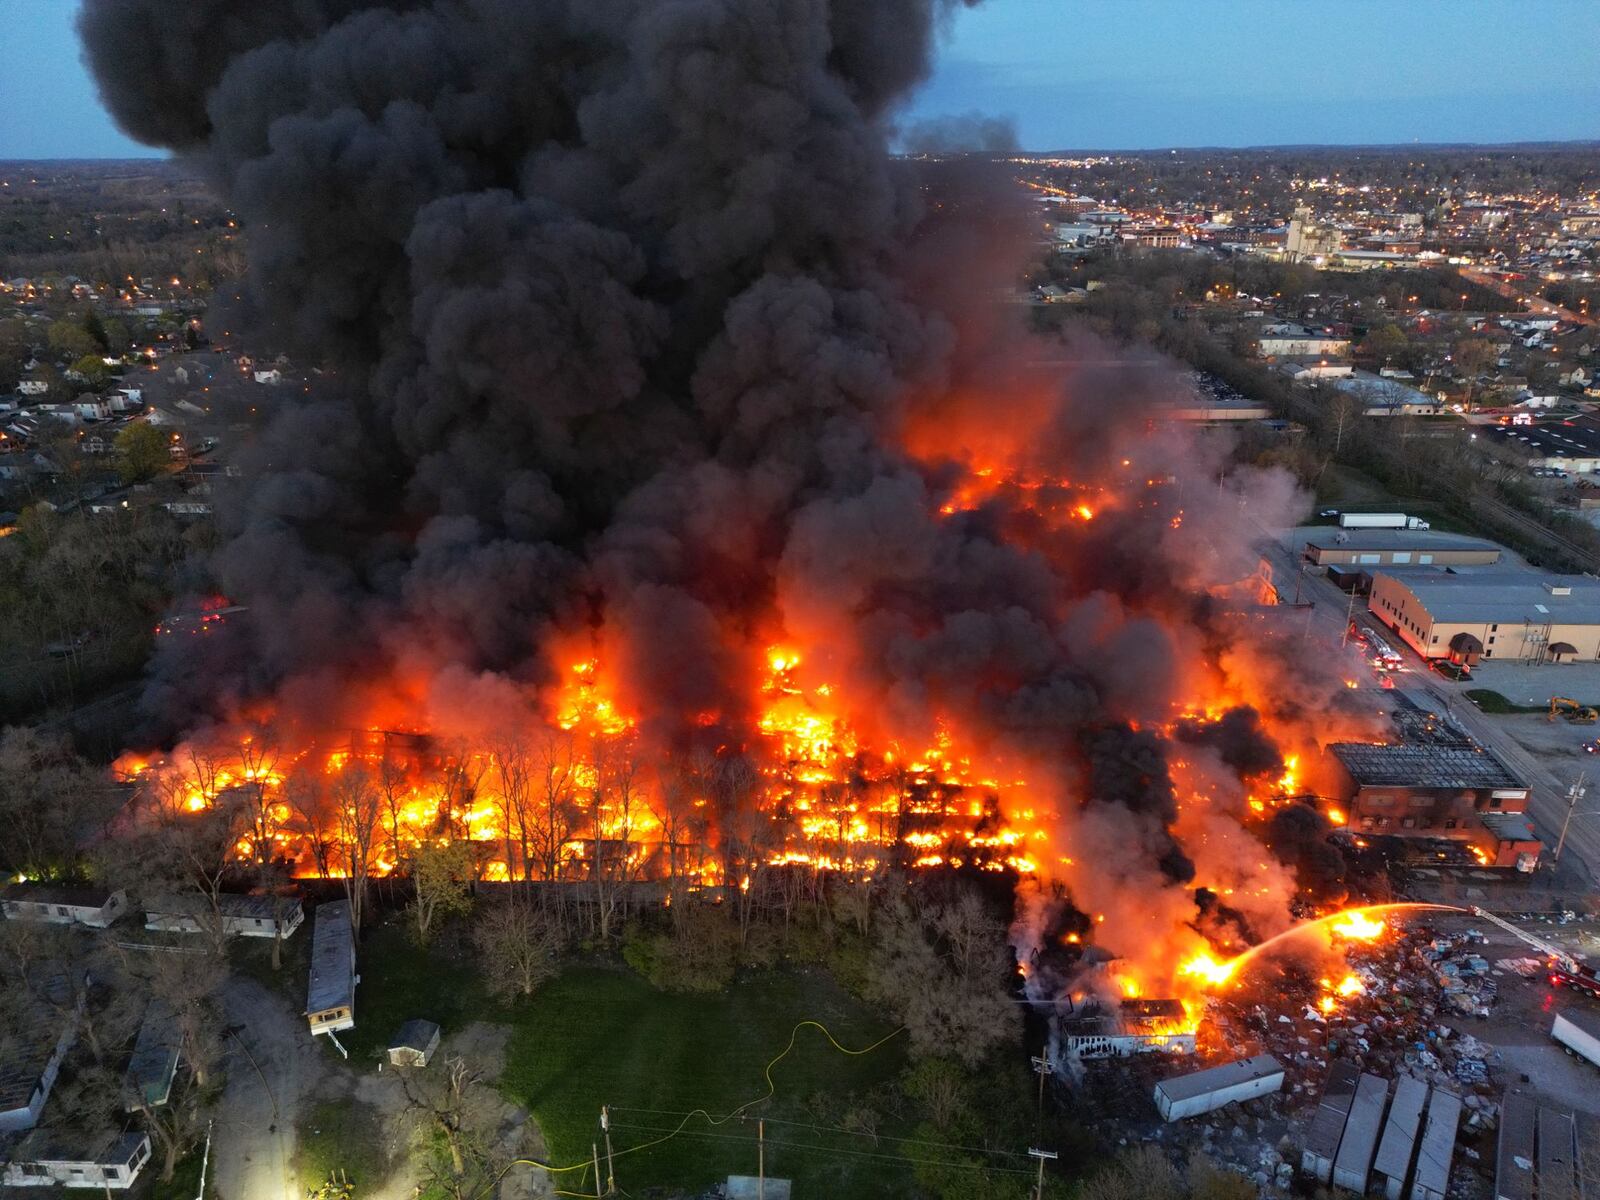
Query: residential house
(32, 1050)
(58, 905)
(241, 916)
(110, 1161)
(331, 991)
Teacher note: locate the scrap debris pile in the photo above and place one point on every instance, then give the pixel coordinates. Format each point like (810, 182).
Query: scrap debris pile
(1401, 1010)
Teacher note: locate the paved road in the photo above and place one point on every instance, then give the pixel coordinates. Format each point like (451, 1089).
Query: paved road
(1549, 777)
(1535, 304)
(253, 1149)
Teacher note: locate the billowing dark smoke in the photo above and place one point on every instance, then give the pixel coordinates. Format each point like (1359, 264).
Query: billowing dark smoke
(1239, 738)
(633, 328)
(965, 133)
(608, 284)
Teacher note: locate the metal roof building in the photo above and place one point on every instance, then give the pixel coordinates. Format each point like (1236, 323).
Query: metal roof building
(1327, 1126)
(331, 991)
(1519, 614)
(1437, 1148)
(1398, 548)
(1412, 766)
(154, 1064)
(1558, 1177)
(1360, 1141)
(1513, 1173)
(1201, 1091)
(1399, 1141)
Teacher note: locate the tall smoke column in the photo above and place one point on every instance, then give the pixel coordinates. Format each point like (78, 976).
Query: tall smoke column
(634, 340)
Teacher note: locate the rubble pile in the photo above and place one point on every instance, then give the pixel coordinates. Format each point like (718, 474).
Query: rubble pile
(1418, 986)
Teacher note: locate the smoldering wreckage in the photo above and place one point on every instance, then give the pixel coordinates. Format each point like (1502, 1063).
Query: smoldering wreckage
(675, 513)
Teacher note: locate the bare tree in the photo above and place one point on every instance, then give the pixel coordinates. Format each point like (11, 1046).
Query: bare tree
(555, 820)
(617, 805)
(517, 945)
(50, 802)
(304, 794)
(678, 805)
(512, 780)
(456, 1116)
(357, 806)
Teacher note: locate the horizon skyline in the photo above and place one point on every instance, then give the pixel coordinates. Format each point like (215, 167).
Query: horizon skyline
(1106, 77)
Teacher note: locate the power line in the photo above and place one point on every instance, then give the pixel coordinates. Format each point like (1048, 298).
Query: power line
(838, 1129)
(748, 1140)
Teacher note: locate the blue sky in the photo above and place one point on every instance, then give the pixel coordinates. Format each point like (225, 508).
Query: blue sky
(1113, 74)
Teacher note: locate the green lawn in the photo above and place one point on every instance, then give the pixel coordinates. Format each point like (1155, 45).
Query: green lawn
(400, 981)
(185, 1182)
(343, 1138)
(1494, 703)
(599, 1036)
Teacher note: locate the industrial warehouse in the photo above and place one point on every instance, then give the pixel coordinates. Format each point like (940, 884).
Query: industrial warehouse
(1358, 547)
(1523, 615)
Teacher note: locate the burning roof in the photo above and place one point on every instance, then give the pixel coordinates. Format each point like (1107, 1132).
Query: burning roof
(1424, 766)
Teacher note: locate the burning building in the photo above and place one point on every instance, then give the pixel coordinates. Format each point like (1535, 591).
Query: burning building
(1128, 1027)
(1458, 792)
(671, 509)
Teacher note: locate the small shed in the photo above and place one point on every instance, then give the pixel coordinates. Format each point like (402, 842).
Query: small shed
(414, 1043)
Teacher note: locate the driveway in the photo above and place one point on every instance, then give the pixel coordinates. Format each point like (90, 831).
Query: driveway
(272, 1066)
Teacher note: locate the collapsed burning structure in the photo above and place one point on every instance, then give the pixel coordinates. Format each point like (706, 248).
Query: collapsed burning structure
(679, 515)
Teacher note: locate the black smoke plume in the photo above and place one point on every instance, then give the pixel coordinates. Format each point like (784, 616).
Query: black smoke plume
(626, 304)
(965, 133)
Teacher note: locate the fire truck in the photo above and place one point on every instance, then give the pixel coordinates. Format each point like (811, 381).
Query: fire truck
(1562, 969)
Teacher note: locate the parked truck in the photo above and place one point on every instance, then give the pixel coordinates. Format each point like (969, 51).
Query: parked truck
(1579, 1032)
(1352, 520)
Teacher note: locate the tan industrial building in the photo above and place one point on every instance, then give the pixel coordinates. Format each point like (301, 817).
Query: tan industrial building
(1398, 548)
(1526, 615)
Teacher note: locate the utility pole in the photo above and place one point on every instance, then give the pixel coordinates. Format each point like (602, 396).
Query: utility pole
(761, 1160)
(1574, 793)
(1041, 1068)
(596, 1149)
(611, 1172)
(205, 1158)
(1041, 1155)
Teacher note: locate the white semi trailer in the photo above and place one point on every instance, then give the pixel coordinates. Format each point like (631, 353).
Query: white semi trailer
(1390, 520)
(1579, 1032)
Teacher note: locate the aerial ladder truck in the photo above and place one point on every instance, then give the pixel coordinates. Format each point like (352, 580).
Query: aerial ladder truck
(1564, 970)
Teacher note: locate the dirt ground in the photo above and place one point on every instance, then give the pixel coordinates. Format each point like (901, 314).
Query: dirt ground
(272, 1068)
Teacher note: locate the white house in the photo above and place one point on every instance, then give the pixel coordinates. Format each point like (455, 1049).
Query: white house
(110, 1162)
(34, 387)
(331, 989)
(1302, 345)
(97, 907)
(243, 916)
(270, 377)
(90, 407)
